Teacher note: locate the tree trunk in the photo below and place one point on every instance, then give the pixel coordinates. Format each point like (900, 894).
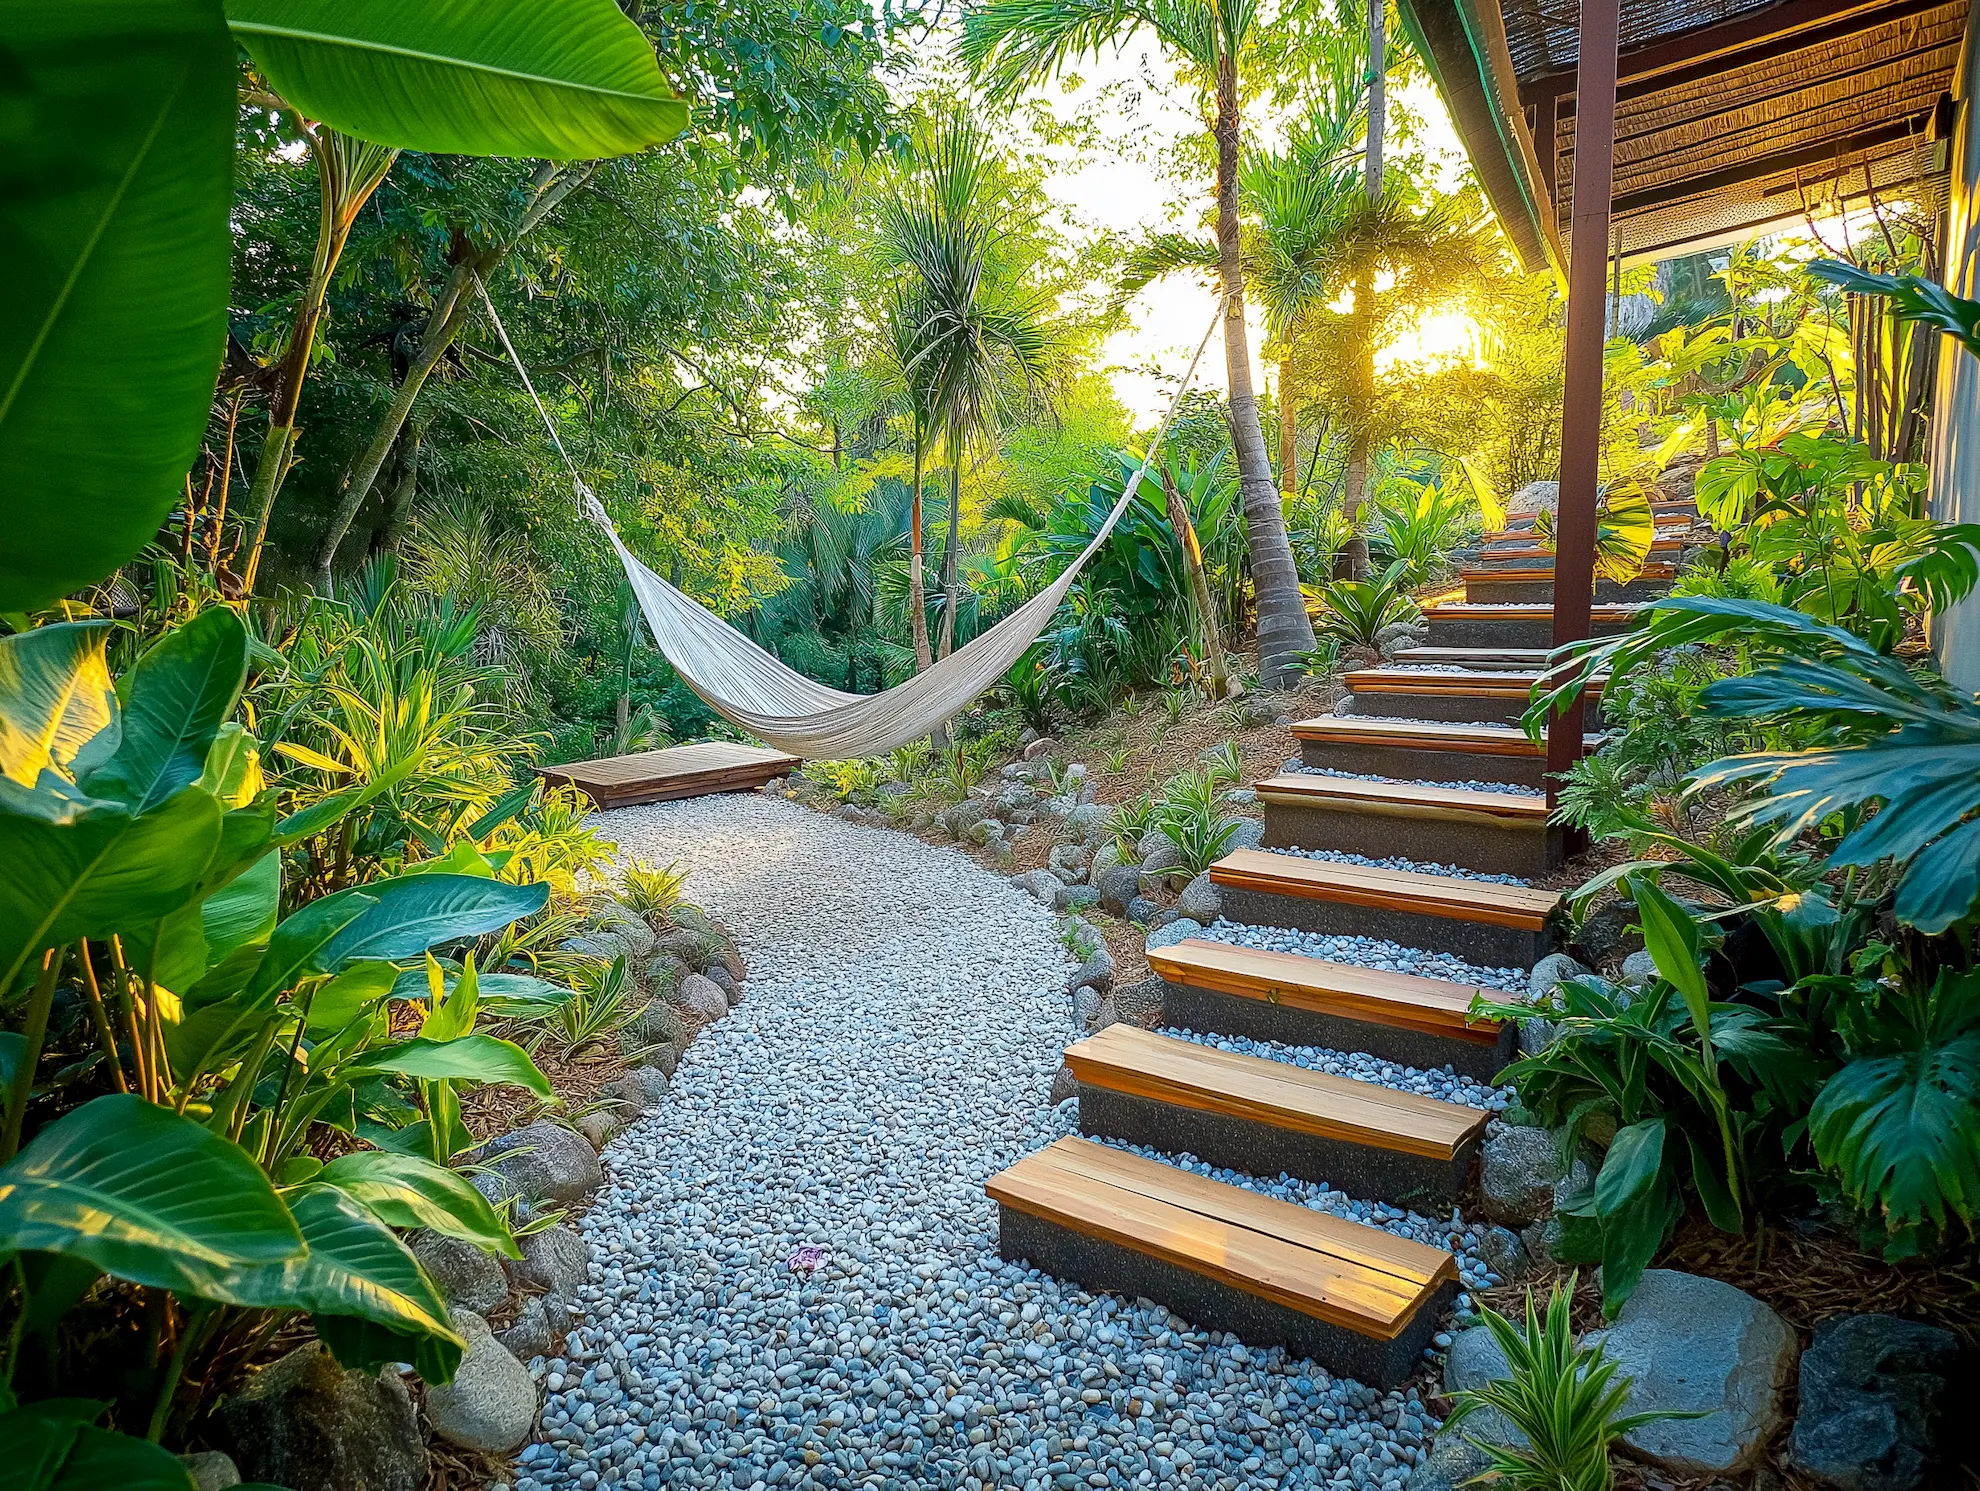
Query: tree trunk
(348, 171)
(1199, 588)
(949, 565)
(1283, 626)
(399, 505)
(443, 324)
(917, 595)
(1353, 562)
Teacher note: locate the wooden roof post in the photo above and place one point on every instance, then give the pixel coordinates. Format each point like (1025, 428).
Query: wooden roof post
(1581, 408)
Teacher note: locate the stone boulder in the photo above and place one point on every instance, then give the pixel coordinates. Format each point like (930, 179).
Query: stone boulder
(467, 1276)
(1604, 937)
(1534, 497)
(599, 1128)
(628, 926)
(1693, 1344)
(660, 1034)
(639, 1091)
(528, 1335)
(1119, 887)
(1873, 1389)
(211, 1471)
(1148, 913)
(1180, 930)
(1453, 1463)
(544, 1162)
(1505, 1254)
(1551, 970)
(1064, 1085)
(722, 979)
(555, 1260)
(305, 1423)
(491, 1403)
(1200, 900)
(1639, 968)
(1474, 1360)
(1068, 862)
(1085, 1007)
(1097, 970)
(1518, 1169)
(1250, 835)
(1041, 885)
(1091, 823)
(1044, 745)
(700, 1000)
(663, 973)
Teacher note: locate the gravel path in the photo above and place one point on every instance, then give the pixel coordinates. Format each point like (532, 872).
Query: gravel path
(795, 1280)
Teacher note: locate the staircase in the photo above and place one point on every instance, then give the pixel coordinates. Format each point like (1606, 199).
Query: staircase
(1422, 764)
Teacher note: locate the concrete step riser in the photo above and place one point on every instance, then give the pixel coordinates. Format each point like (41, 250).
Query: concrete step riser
(1489, 846)
(1214, 1013)
(1503, 709)
(1413, 764)
(1111, 1268)
(1534, 632)
(1255, 1147)
(1475, 942)
(1541, 592)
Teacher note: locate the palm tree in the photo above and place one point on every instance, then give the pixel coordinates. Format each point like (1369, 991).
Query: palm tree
(967, 330)
(1009, 44)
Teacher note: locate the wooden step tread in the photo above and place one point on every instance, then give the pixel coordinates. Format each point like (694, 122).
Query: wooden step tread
(1463, 899)
(1524, 541)
(1432, 735)
(1127, 1059)
(1359, 1277)
(1433, 1006)
(1654, 570)
(1295, 788)
(1538, 611)
(1468, 682)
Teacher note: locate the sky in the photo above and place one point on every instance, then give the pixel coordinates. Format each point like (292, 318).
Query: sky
(1120, 187)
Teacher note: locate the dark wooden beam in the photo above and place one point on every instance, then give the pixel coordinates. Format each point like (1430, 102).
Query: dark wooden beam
(1779, 27)
(1543, 142)
(1581, 409)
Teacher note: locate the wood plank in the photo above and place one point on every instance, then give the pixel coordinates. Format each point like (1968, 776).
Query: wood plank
(1614, 612)
(1486, 901)
(1533, 659)
(1299, 789)
(1125, 1058)
(1433, 1006)
(694, 770)
(1348, 1274)
(1471, 683)
(1430, 735)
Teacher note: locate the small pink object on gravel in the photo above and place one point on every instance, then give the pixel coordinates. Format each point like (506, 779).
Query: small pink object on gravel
(806, 1259)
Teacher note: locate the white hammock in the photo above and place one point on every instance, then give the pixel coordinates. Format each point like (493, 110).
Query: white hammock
(749, 687)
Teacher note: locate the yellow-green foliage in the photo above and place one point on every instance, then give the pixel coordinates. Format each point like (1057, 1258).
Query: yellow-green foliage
(651, 890)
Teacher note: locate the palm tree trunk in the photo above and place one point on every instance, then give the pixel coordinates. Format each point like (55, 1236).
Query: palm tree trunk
(1283, 626)
(917, 595)
(949, 566)
(550, 185)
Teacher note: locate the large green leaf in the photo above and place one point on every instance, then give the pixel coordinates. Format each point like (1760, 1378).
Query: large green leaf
(416, 912)
(1902, 1131)
(1631, 1167)
(368, 1297)
(1672, 939)
(55, 699)
(116, 178)
(299, 945)
(569, 81)
(63, 1452)
(466, 1058)
(80, 867)
(175, 700)
(408, 1191)
(504, 996)
(145, 1195)
(243, 912)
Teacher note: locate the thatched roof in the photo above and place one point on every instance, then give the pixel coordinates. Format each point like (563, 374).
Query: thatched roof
(1731, 115)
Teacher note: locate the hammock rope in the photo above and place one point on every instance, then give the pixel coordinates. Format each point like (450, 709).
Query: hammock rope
(750, 688)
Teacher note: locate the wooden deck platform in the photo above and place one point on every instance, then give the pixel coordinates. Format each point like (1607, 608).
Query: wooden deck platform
(697, 770)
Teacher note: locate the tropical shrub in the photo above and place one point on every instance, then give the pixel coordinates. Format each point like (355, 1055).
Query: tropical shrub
(602, 1003)
(652, 890)
(1565, 1399)
(1191, 817)
(1418, 525)
(219, 1039)
(1355, 611)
